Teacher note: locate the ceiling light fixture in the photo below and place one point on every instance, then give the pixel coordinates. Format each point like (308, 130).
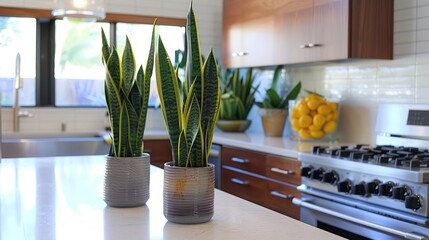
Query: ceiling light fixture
(89, 10)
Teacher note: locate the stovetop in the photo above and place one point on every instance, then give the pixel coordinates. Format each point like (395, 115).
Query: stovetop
(399, 162)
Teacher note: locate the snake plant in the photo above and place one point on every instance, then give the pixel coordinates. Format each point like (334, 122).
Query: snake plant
(127, 94)
(190, 109)
(238, 96)
(273, 99)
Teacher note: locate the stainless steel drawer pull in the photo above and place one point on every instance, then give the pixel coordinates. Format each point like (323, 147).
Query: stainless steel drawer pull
(239, 181)
(304, 46)
(281, 171)
(278, 194)
(239, 160)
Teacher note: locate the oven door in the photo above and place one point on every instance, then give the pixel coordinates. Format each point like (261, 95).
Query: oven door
(354, 223)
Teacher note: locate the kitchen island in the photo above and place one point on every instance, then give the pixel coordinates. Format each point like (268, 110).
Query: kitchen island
(62, 198)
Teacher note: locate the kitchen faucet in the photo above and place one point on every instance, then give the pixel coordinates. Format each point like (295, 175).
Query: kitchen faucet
(17, 85)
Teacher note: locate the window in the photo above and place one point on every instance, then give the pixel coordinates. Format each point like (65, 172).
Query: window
(79, 71)
(18, 35)
(61, 60)
(139, 35)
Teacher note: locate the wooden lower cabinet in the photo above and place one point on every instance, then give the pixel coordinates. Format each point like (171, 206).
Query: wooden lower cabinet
(159, 150)
(273, 188)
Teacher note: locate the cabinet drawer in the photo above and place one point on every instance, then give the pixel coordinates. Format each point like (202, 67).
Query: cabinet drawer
(244, 186)
(283, 169)
(243, 159)
(279, 198)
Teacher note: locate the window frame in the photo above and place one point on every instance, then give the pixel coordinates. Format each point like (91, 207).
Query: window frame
(45, 45)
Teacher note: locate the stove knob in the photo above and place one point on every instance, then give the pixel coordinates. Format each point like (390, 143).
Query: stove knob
(359, 189)
(399, 192)
(344, 186)
(413, 202)
(317, 174)
(385, 189)
(372, 187)
(330, 177)
(306, 171)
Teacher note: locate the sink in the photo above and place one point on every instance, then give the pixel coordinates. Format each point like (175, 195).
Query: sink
(17, 145)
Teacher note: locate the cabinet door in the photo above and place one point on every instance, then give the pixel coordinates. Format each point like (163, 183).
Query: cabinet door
(283, 169)
(330, 30)
(159, 151)
(279, 198)
(244, 160)
(293, 31)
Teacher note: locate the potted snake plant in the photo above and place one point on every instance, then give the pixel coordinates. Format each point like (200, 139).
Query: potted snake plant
(126, 182)
(238, 98)
(190, 111)
(274, 109)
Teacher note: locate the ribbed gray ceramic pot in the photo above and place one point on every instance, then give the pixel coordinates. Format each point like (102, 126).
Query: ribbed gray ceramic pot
(126, 181)
(188, 194)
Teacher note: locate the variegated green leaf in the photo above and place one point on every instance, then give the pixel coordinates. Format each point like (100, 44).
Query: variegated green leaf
(105, 49)
(128, 67)
(193, 66)
(192, 121)
(168, 91)
(123, 132)
(183, 149)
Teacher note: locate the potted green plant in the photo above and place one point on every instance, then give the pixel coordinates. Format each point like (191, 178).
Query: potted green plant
(190, 110)
(274, 109)
(238, 97)
(126, 182)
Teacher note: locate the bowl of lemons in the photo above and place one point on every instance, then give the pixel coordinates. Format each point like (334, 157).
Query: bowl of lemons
(314, 117)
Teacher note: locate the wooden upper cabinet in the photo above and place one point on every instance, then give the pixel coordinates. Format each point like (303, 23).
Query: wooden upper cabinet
(266, 32)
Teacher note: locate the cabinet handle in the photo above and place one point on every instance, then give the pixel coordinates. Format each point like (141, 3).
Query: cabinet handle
(239, 160)
(304, 46)
(238, 54)
(281, 195)
(312, 45)
(281, 171)
(239, 181)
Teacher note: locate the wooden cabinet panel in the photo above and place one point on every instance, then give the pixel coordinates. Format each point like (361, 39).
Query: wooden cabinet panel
(243, 185)
(279, 198)
(298, 31)
(243, 159)
(283, 169)
(159, 150)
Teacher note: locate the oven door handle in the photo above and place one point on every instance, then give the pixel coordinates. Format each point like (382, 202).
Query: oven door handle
(405, 235)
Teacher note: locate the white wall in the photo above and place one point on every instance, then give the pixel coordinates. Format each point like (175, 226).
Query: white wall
(362, 84)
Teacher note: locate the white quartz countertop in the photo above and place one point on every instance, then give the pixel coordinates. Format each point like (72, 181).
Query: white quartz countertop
(61, 198)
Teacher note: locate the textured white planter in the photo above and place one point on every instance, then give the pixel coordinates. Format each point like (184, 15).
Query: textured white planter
(126, 181)
(188, 194)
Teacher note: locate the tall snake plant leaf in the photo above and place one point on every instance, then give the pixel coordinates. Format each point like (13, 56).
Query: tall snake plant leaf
(169, 95)
(113, 96)
(211, 99)
(123, 131)
(193, 58)
(193, 119)
(128, 66)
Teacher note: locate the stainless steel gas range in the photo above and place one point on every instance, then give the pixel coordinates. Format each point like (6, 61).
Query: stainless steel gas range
(372, 192)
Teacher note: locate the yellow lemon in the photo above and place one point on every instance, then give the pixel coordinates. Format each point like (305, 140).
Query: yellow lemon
(313, 104)
(317, 134)
(319, 120)
(313, 113)
(295, 113)
(324, 109)
(314, 128)
(329, 117)
(295, 124)
(305, 121)
(332, 105)
(329, 127)
(315, 97)
(303, 109)
(304, 134)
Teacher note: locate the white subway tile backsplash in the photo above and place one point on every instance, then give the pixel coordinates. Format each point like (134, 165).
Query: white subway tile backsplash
(405, 14)
(405, 26)
(423, 11)
(423, 47)
(396, 71)
(400, 49)
(423, 23)
(404, 37)
(401, 4)
(422, 81)
(422, 2)
(422, 69)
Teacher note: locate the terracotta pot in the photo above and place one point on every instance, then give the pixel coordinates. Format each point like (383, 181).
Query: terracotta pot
(188, 194)
(233, 125)
(126, 181)
(273, 121)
